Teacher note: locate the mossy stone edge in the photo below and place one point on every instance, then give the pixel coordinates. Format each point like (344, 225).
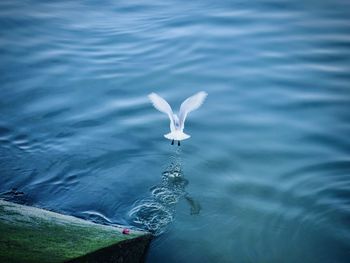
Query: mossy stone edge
(30, 234)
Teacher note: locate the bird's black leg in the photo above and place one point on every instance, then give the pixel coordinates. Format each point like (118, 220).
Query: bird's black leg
(178, 143)
(172, 142)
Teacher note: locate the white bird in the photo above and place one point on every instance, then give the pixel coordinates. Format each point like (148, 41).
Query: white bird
(177, 122)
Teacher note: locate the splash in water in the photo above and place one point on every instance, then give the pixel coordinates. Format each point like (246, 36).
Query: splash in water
(156, 212)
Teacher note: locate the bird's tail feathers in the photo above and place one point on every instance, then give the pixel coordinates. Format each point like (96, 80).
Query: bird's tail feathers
(177, 136)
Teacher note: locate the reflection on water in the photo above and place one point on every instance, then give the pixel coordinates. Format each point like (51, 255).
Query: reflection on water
(156, 212)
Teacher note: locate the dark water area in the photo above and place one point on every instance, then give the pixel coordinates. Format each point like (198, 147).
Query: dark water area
(265, 176)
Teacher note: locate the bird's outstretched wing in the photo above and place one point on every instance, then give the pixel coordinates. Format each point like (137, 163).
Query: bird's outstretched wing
(190, 104)
(161, 104)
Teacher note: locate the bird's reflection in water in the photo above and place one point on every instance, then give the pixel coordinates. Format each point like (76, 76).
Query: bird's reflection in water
(157, 212)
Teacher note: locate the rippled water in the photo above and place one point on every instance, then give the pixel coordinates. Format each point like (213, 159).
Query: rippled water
(265, 176)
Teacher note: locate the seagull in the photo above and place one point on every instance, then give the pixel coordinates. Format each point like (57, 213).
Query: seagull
(177, 122)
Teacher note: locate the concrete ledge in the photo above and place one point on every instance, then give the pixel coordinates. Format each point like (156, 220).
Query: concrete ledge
(29, 234)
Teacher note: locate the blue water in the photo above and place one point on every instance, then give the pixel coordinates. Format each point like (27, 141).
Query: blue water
(265, 176)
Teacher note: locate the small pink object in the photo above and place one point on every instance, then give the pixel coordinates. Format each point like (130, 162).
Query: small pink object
(126, 231)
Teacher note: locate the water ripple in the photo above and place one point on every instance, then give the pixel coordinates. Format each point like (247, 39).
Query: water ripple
(268, 157)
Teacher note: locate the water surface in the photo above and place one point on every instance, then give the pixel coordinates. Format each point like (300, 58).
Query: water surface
(265, 176)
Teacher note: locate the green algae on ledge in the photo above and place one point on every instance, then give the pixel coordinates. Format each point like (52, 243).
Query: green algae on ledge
(29, 234)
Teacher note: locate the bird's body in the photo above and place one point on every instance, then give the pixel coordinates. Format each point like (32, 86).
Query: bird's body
(177, 122)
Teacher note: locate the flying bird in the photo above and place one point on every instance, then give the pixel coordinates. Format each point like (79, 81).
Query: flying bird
(177, 122)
